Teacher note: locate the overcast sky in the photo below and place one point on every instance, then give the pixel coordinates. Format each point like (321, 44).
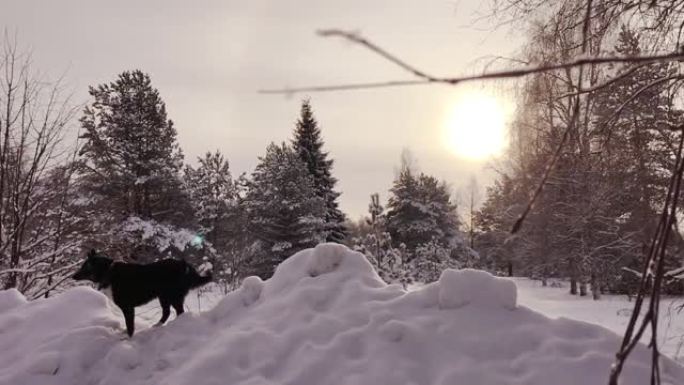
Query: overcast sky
(209, 58)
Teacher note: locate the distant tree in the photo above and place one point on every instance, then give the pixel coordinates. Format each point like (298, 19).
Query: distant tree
(431, 258)
(420, 210)
(285, 215)
(596, 216)
(211, 194)
(36, 247)
(404, 219)
(494, 220)
(437, 205)
(376, 245)
(130, 166)
(472, 198)
(308, 144)
(215, 200)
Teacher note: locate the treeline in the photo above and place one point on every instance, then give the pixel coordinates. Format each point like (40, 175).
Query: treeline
(124, 187)
(620, 125)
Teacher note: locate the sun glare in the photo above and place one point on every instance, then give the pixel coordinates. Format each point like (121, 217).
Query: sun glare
(475, 126)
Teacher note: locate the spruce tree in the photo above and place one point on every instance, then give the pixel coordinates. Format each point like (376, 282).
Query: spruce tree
(284, 213)
(308, 144)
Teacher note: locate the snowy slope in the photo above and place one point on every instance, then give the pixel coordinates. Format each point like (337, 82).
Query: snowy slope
(612, 312)
(325, 318)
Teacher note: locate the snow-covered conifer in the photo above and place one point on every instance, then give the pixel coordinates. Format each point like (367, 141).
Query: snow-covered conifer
(284, 213)
(308, 144)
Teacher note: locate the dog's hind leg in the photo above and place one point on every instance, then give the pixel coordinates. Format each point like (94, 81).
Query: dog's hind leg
(129, 316)
(166, 311)
(178, 306)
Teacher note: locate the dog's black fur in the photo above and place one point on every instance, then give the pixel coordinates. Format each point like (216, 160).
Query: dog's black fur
(134, 284)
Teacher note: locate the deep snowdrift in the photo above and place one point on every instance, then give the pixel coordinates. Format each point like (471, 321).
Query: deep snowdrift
(324, 318)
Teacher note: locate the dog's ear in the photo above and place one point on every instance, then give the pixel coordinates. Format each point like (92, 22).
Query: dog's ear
(92, 253)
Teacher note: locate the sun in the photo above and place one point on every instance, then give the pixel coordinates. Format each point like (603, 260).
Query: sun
(475, 127)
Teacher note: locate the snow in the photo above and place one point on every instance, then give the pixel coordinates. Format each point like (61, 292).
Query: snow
(162, 235)
(250, 290)
(9, 299)
(612, 312)
(324, 318)
(458, 288)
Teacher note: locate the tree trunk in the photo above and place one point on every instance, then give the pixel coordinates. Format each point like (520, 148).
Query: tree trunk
(573, 277)
(573, 286)
(595, 288)
(583, 288)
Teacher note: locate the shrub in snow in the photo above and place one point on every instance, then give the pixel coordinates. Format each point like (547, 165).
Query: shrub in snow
(375, 243)
(430, 260)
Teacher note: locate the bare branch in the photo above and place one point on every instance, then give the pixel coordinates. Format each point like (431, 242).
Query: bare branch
(358, 39)
(425, 78)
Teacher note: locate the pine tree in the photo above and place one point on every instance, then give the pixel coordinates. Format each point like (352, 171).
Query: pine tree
(131, 163)
(308, 144)
(284, 213)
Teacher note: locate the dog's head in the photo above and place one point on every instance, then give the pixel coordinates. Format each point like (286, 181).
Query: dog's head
(94, 268)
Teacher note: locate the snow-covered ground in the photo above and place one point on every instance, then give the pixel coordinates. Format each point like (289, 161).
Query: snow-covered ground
(612, 312)
(324, 318)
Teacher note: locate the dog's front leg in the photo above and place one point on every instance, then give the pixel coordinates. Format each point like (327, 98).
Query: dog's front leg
(129, 316)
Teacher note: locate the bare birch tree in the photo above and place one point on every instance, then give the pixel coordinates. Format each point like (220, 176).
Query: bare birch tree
(34, 116)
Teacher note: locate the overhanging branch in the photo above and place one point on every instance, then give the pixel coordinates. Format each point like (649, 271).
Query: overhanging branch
(426, 78)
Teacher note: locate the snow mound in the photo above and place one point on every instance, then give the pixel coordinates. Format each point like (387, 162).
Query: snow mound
(324, 318)
(10, 298)
(251, 290)
(458, 288)
(326, 258)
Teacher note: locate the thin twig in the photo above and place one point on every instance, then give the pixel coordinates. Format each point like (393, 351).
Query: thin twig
(358, 39)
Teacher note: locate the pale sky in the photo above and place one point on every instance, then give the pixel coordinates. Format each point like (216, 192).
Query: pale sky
(209, 58)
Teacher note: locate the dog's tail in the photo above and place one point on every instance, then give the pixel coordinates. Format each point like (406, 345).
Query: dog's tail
(193, 279)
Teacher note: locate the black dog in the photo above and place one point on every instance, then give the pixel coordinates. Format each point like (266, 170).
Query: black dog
(134, 285)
